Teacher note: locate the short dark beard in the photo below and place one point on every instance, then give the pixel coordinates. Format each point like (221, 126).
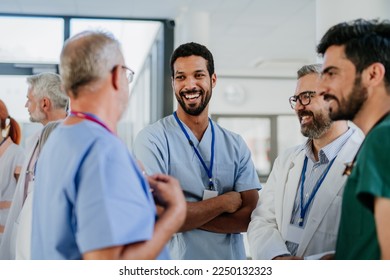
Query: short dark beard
(348, 108)
(194, 111)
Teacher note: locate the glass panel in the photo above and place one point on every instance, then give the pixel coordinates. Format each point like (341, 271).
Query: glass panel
(31, 40)
(289, 132)
(256, 133)
(136, 37)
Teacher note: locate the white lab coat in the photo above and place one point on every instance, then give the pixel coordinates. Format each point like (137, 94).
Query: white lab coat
(267, 230)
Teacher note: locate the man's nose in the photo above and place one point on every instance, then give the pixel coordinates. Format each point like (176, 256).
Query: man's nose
(322, 87)
(190, 83)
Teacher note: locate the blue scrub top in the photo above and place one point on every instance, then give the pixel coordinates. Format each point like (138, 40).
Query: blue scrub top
(89, 195)
(163, 148)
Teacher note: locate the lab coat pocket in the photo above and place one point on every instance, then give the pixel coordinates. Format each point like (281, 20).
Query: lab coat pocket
(331, 220)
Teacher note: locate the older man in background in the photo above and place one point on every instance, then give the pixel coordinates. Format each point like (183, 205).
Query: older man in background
(46, 102)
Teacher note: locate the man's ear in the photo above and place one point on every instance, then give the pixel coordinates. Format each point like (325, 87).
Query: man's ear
(374, 74)
(213, 80)
(45, 104)
(115, 77)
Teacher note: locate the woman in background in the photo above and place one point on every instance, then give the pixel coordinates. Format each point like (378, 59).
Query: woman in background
(11, 160)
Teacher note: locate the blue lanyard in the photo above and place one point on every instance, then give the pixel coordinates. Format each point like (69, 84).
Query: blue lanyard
(317, 186)
(209, 171)
(90, 117)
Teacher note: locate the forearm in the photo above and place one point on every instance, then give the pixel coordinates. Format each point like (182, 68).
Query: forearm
(164, 228)
(202, 212)
(230, 223)
(238, 220)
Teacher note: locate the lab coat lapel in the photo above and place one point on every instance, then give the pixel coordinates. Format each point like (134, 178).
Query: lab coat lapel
(292, 182)
(330, 188)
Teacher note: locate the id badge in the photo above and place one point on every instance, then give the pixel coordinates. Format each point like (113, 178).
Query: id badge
(209, 194)
(294, 234)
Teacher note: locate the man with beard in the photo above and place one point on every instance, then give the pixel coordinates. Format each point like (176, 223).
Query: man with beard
(300, 205)
(213, 165)
(356, 82)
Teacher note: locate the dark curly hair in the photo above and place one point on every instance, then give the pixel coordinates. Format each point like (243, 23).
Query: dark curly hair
(192, 48)
(365, 41)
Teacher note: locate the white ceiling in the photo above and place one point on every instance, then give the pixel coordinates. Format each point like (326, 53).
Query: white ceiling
(247, 37)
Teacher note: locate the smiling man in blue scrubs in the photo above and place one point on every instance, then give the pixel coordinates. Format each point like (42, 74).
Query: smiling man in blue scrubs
(212, 164)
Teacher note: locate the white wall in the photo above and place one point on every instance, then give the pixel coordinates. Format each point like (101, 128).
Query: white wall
(252, 96)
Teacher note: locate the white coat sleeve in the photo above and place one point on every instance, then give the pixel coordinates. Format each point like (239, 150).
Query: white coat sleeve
(264, 238)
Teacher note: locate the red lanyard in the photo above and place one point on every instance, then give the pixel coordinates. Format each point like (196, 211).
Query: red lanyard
(90, 117)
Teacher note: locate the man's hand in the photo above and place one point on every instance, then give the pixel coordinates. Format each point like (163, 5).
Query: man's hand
(168, 194)
(233, 201)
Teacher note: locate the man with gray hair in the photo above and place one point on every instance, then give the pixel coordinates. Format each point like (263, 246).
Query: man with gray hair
(46, 102)
(299, 207)
(91, 200)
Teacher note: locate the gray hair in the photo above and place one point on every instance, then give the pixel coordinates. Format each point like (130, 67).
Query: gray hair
(48, 85)
(88, 57)
(309, 69)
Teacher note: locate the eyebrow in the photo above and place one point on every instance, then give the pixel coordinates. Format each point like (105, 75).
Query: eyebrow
(200, 71)
(196, 71)
(306, 91)
(327, 69)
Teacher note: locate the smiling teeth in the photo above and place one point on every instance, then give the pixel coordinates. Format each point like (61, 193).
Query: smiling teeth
(304, 119)
(191, 96)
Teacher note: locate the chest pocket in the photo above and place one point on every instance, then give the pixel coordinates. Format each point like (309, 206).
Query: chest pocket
(224, 175)
(190, 178)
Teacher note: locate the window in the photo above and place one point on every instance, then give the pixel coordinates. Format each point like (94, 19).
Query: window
(265, 135)
(256, 132)
(32, 44)
(136, 37)
(31, 39)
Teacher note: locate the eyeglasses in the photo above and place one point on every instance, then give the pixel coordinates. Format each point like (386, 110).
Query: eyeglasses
(129, 73)
(304, 98)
